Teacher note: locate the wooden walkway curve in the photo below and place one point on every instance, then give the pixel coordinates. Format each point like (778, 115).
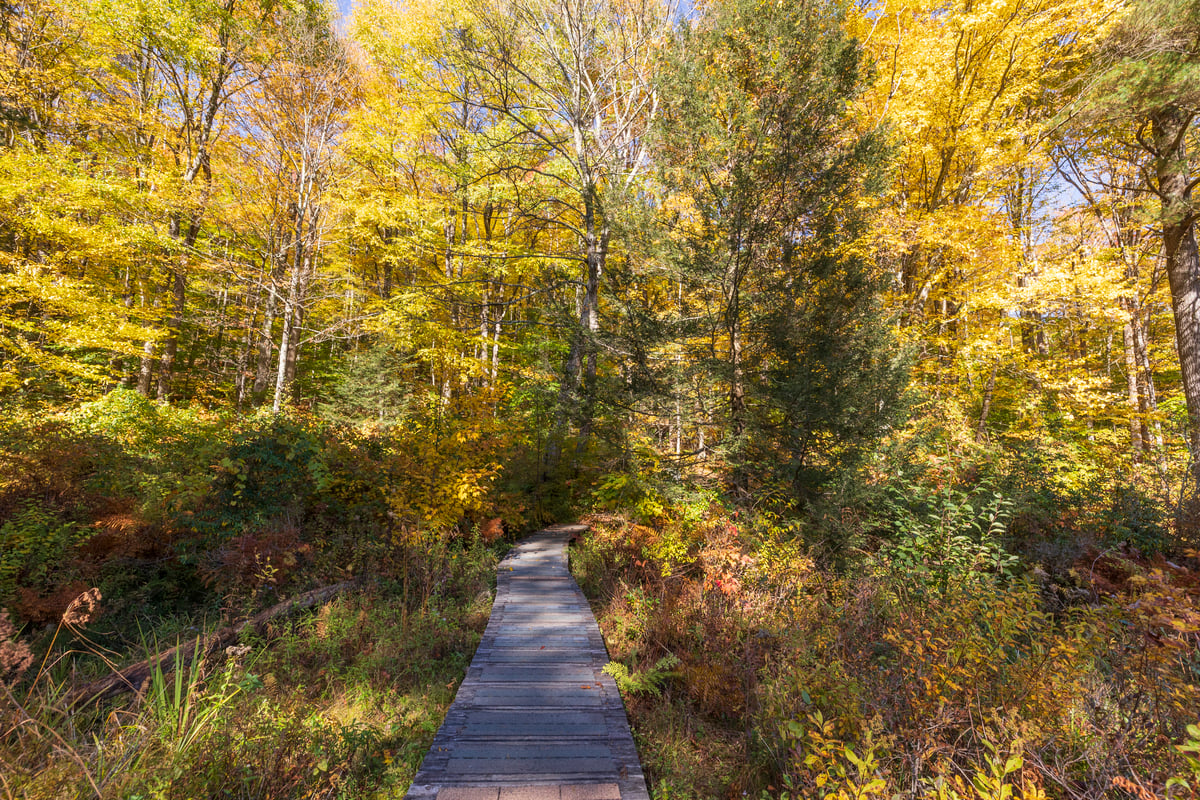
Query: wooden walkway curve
(535, 718)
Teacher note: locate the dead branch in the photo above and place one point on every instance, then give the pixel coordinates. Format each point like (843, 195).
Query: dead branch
(133, 677)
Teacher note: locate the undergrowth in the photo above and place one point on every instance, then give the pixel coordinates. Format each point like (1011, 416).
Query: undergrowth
(343, 702)
(912, 648)
(127, 527)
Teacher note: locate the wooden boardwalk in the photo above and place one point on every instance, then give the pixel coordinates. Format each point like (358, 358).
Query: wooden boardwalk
(535, 718)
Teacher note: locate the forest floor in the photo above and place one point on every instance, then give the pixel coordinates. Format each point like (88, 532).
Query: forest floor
(340, 702)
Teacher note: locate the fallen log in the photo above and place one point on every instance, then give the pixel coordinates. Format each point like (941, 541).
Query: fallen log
(133, 677)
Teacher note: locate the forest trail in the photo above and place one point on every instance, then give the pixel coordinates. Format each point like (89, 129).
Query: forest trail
(535, 718)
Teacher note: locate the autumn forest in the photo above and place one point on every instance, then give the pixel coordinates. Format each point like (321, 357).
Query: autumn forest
(864, 336)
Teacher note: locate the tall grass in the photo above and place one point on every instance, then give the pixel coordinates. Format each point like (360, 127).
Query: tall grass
(343, 702)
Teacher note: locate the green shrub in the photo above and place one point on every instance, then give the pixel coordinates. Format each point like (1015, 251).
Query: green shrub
(34, 546)
(264, 474)
(123, 415)
(948, 535)
(623, 490)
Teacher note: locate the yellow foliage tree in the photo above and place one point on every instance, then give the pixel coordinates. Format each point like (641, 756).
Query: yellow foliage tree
(970, 91)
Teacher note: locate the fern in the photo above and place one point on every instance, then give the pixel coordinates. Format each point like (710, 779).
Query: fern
(648, 681)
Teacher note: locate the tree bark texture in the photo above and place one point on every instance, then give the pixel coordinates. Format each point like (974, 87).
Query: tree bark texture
(1170, 127)
(1136, 443)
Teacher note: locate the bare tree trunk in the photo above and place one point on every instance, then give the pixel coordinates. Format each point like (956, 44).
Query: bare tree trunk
(243, 356)
(266, 342)
(300, 314)
(496, 325)
(451, 235)
(178, 289)
(678, 424)
(146, 371)
(294, 362)
(213, 359)
(1136, 442)
(737, 372)
(118, 365)
(291, 305)
(579, 370)
(596, 239)
(989, 392)
(166, 364)
(1146, 380)
(148, 362)
(481, 349)
(1170, 128)
(293, 355)
(737, 379)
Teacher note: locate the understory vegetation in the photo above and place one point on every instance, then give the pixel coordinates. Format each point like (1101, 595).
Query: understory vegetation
(945, 633)
(964, 626)
(130, 528)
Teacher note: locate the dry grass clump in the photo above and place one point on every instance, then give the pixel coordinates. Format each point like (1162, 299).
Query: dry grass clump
(15, 655)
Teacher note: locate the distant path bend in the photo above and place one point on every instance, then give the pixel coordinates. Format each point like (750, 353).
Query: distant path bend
(535, 718)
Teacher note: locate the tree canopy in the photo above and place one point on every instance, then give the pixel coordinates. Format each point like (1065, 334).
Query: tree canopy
(750, 238)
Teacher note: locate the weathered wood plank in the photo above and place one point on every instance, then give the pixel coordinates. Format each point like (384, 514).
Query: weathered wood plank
(535, 718)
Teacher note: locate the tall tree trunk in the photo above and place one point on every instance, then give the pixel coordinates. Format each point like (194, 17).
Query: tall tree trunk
(579, 370)
(497, 314)
(213, 358)
(481, 350)
(989, 392)
(1146, 378)
(451, 236)
(118, 364)
(287, 344)
(1170, 127)
(266, 337)
(146, 370)
(497, 322)
(178, 289)
(1152, 436)
(148, 361)
(596, 239)
(247, 344)
(737, 373)
(189, 369)
(737, 377)
(293, 363)
(677, 421)
(1136, 442)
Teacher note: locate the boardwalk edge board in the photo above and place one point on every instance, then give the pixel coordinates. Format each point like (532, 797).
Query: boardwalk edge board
(536, 718)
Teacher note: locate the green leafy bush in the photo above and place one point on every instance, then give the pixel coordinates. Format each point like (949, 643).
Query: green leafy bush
(34, 545)
(947, 535)
(623, 490)
(122, 415)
